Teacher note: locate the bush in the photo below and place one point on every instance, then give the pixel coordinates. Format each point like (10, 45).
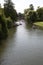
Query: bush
(0, 27)
(9, 22)
(4, 30)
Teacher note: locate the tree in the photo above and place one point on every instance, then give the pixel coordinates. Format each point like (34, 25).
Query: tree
(31, 7)
(4, 30)
(20, 15)
(9, 10)
(40, 13)
(31, 16)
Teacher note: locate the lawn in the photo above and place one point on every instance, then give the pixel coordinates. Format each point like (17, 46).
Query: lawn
(39, 24)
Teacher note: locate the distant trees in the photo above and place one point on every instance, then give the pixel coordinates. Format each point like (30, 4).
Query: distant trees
(32, 16)
(20, 15)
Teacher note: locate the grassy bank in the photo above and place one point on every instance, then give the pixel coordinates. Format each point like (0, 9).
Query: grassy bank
(40, 24)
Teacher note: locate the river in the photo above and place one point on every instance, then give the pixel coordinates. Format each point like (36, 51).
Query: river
(23, 47)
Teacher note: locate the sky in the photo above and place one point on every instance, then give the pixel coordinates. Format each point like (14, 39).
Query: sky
(20, 5)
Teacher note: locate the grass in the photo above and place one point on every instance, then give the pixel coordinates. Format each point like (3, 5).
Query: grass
(40, 24)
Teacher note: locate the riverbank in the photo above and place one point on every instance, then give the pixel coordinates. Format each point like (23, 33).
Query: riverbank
(38, 25)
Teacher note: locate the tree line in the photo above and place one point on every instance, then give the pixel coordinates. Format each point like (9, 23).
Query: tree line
(32, 16)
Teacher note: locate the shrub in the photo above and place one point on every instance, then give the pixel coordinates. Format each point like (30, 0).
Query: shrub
(4, 30)
(9, 22)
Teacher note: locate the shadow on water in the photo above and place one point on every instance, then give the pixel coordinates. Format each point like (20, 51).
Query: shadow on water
(4, 43)
(37, 31)
(28, 26)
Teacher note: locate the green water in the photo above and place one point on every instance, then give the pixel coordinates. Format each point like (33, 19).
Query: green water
(23, 47)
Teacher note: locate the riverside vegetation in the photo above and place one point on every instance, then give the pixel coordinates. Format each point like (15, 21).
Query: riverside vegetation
(8, 16)
(34, 17)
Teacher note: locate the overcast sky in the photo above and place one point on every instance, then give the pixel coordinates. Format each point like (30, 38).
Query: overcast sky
(20, 5)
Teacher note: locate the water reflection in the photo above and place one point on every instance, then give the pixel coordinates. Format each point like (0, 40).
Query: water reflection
(4, 44)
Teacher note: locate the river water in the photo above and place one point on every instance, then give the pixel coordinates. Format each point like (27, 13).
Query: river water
(23, 47)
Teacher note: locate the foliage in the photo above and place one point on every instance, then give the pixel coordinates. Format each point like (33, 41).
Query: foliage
(31, 16)
(9, 10)
(4, 30)
(9, 22)
(31, 7)
(40, 13)
(20, 16)
(1, 11)
(7, 15)
(0, 26)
